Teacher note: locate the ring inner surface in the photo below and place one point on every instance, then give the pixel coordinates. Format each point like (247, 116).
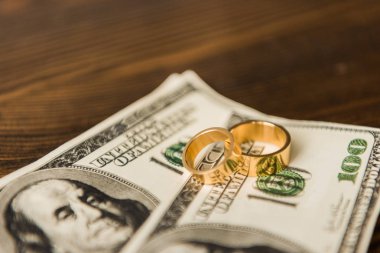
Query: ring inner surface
(204, 139)
(261, 131)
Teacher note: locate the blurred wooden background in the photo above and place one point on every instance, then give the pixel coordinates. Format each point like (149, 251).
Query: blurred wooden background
(67, 65)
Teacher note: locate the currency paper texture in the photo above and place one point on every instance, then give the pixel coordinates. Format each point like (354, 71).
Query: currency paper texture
(121, 187)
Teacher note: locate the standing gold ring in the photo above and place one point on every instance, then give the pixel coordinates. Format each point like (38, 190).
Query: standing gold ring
(254, 130)
(231, 161)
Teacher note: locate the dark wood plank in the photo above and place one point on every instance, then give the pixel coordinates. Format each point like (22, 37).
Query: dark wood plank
(67, 65)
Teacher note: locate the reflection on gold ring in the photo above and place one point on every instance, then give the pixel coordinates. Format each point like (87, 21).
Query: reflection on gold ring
(232, 159)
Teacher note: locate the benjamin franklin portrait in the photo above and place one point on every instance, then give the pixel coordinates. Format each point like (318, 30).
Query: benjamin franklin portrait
(72, 211)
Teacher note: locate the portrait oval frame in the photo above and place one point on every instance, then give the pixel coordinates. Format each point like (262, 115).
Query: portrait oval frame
(108, 183)
(221, 234)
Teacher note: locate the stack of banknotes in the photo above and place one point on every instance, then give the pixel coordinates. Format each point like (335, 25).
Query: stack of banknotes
(121, 186)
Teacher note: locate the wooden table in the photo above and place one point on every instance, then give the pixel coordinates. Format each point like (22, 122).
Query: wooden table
(67, 65)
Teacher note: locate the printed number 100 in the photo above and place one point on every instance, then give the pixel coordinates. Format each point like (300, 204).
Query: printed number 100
(352, 162)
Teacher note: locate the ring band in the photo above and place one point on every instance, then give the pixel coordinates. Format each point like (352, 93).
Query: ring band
(232, 159)
(254, 130)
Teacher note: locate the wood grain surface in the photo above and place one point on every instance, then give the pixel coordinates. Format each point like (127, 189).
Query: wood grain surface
(67, 65)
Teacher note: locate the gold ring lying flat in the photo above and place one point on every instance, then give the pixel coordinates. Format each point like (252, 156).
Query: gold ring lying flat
(232, 159)
(264, 164)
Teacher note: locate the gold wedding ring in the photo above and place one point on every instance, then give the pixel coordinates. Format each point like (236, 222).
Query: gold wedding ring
(230, 163)
(263, 164)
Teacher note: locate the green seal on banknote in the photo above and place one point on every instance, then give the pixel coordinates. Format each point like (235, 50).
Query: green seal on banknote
(174, 153)
(285, 183)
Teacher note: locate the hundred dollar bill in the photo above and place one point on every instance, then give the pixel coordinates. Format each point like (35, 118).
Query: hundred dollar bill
(121, 187)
